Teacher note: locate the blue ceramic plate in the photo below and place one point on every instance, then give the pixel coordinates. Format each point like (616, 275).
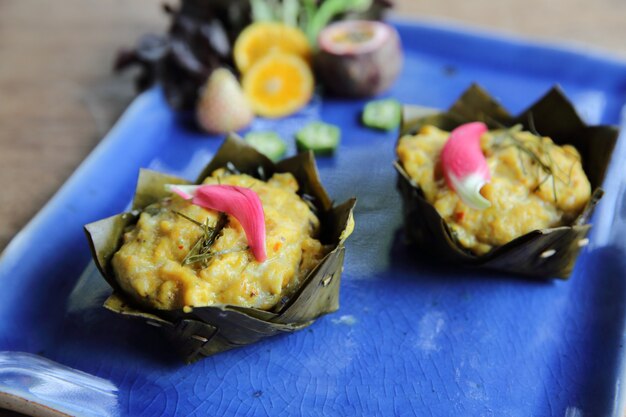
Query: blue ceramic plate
(411, 338)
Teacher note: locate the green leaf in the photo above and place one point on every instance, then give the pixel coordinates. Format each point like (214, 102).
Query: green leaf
(291, 9)
(262, 11)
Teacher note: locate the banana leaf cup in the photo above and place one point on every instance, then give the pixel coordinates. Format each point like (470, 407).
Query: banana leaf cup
(204, 331)
(546, 253)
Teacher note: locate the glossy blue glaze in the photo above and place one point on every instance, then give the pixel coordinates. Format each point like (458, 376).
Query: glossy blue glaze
(411, 338)
(45, 382)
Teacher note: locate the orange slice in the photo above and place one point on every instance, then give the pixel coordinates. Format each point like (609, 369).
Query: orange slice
(261, 38)
(278, 85)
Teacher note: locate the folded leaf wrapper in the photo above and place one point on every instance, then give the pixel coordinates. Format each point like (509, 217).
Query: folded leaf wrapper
(204, 331)
(546, 253)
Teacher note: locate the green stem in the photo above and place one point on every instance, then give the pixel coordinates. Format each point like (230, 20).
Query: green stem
(328, 11)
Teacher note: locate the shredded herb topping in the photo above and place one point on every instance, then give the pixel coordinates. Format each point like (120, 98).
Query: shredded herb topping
(201, 250)
(539, 156)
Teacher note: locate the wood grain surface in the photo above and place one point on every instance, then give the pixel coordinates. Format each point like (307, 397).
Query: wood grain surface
(58, 96)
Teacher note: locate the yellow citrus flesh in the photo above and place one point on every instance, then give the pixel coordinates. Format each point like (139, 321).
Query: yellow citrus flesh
(262, 38)
(278, 85)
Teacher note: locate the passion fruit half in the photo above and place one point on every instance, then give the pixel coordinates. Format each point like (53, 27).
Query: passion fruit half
(358, 58)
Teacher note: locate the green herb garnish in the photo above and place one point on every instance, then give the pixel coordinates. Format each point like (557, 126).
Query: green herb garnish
(201, 250)
(507, 138)
(210, 255)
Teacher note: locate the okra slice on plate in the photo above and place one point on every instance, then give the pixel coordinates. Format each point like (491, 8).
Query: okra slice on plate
(382, 114)
(321, 138)
(268, 143)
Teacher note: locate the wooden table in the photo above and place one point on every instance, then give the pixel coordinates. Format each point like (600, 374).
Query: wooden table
(58, 96)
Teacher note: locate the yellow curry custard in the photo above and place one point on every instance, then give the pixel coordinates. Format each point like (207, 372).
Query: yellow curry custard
(250, 250)
(516, 196)
(153, 263)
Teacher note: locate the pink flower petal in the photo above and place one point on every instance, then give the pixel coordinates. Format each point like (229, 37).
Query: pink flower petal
(186, 192)
(464, 165)
(241, 203)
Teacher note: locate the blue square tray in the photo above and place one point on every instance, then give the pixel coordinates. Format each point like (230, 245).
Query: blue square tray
(410, 338)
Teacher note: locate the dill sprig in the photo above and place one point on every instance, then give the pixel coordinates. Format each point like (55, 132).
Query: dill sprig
(201, 250)
(210, 255)
(547, 165)
(184, 216)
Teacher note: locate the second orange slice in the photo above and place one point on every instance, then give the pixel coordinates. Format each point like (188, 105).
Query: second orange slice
(278, 85)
